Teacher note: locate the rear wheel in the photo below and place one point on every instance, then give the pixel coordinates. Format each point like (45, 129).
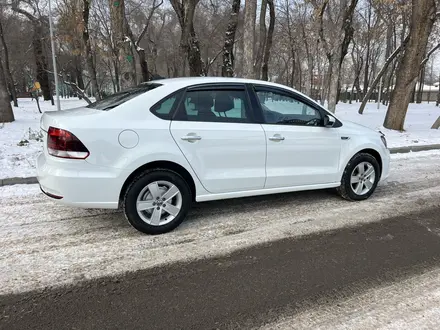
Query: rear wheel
(157, 201)
(360, 178)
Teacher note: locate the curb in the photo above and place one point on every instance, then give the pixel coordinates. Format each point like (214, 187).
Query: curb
(398, 150)
(12, 181)
(403, 150)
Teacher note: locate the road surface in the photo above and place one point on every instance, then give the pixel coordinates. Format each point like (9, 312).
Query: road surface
(246, 289)
(302, 252)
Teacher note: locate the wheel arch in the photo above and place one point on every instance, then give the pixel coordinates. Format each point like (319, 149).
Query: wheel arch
(375, 154)
(163, 164)
(367, 150)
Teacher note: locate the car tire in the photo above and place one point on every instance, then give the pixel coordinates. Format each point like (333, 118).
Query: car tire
(149, 189)
(349, 188)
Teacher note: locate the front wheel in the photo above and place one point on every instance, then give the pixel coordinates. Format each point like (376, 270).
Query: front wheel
(360, 178)
(157, 201)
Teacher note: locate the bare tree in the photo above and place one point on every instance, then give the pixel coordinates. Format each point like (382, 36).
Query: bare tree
(7, 68)
(6, 114)
(262, 40)
(136, 42)
(228, 48)
(422, 19)
(122, 43)
(336, 39)
(39, 24)
(379, 76)
(88, 49)
(250, 16)
(268, 42)
(189, 43)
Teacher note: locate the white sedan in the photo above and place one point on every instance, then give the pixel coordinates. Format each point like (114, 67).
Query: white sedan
(154, 149)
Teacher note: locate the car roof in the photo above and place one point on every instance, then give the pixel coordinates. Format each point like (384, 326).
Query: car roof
(189, 81)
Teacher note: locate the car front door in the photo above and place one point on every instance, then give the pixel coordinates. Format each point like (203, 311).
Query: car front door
(215, 130)
(300, 150)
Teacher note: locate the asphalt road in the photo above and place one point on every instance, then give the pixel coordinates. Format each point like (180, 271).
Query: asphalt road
(245, 289)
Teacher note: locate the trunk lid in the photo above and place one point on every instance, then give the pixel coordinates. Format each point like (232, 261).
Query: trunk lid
(65, 118)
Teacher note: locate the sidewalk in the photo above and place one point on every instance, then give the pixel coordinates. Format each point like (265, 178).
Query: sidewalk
(398, 150)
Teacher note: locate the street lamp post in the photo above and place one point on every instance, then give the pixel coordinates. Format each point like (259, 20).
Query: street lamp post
(52, 43)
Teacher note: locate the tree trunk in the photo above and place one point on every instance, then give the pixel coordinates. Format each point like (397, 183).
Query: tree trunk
(262, 42)
(337, 52)
(228, 48)
(338, 58)
(250, 16)
(41, 61)
(195, 62)
(88, 50)
(189, 43)
(437, 102)
(334, 72)
(122, 43)
(367, 56)
(419, 95)
(7, 67)
(268, 43)
(79, 72)
(6, 114)
(358, 62)
(144, 65)
(422, 19)
(436, 124)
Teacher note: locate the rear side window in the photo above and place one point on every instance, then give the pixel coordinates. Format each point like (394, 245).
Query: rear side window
(119, 98)
(215, 106)
(164, 109)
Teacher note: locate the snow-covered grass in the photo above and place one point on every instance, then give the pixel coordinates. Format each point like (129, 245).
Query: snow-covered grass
(20, 142)
(419, 120)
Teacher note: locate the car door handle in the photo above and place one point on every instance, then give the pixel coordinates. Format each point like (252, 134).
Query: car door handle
(191, 138)
(276, 138)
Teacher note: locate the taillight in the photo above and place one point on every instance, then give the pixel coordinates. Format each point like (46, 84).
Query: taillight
(63, 144)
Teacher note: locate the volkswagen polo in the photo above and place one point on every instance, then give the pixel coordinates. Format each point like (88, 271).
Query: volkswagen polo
(154, 149)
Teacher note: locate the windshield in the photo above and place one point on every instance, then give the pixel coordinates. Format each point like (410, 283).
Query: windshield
(116, 99)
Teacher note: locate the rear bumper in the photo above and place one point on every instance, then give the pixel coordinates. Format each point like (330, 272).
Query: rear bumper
(79, 183)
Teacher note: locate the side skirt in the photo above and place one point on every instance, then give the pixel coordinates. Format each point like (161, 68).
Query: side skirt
(248, 193)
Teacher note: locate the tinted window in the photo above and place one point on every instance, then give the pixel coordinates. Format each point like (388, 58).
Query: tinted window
(215, 106)
(164, 108)
(279, 108)
(119, 98)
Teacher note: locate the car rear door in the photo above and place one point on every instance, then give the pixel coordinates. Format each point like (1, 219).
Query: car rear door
(300, 151)
(215, 130)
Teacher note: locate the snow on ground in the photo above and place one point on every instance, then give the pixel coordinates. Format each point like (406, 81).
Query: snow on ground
(419, 120)
(20, 141)
(20, 145)
(45, 243)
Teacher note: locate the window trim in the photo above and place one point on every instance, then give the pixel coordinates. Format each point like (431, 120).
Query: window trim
(272, 89)
(170, 116)
(217, 86)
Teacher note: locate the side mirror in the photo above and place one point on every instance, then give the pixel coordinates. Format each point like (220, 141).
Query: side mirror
(329, 121)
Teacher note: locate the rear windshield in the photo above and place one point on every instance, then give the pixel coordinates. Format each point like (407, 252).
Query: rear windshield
(112, 101)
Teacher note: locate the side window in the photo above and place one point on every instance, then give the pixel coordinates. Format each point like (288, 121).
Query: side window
(281, 109)
(215, 106)
(164, 108)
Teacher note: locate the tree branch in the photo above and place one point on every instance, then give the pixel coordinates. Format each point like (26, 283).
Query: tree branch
(381, 73)
(29, 16)
(429, 54)
(147, 23)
